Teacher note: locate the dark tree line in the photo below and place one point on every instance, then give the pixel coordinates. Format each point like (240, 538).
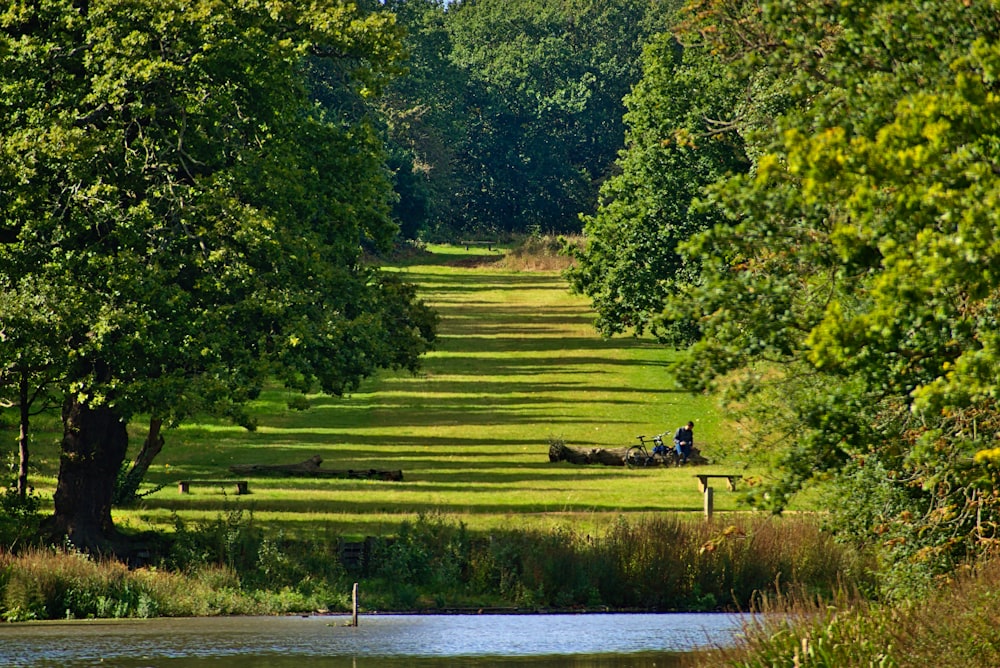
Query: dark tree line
(509, 116)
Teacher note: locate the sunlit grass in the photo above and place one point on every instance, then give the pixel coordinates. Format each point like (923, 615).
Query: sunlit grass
(518, 362)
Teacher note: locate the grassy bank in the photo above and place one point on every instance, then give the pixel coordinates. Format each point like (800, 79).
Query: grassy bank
(959, 625)
(229, 566)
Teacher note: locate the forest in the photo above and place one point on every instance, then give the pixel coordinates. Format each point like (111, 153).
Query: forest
(800, 195)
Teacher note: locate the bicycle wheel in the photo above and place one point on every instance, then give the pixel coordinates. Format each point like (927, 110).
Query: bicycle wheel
(636, 456)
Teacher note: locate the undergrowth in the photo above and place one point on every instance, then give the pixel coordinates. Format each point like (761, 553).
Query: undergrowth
(230, 566)
(957, 625)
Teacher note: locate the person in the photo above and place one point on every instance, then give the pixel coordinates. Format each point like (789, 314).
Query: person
(684, 441)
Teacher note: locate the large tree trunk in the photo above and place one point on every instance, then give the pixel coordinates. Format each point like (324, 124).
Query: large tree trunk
(559, 452)
(94, 443)
(311, 468)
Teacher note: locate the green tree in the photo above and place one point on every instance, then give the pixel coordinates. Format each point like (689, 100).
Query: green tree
(192, 182)
(854, 284)
(543, 105)
(425, 118)
(682, 135)
(30, 363)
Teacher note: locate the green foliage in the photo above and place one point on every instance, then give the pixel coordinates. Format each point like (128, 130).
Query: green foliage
(848, 277)
(510, 113)
(955, 625)
(654, 564)
(231, 540)
(227, 566)
(681, 136)
(232, 546)
(19, 518)
(189, 197)
(43, 586)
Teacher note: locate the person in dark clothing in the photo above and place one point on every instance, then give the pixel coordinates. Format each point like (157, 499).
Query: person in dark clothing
(684, 441)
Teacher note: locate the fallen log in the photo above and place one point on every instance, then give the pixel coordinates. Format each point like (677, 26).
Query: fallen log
(560, 452)
(310, 468)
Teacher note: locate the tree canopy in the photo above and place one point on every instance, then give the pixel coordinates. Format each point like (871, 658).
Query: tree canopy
(677, 142)
(511, 111)
(186, 188)
(846, 284)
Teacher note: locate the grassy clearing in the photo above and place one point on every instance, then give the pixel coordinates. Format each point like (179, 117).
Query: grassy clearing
(482, 518)
(518, 362)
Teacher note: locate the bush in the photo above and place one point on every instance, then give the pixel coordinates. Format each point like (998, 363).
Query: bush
(19, 518)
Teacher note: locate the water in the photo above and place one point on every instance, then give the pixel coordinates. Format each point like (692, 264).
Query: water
(578, 641)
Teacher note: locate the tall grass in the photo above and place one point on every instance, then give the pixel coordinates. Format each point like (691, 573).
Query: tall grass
(48, 584)
(657, 563)
(959, 625)
(228, 566)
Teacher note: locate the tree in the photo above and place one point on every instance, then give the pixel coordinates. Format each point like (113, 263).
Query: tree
(681, 136)
(192, 182)
(28, 340)
(854, 283)
(425, 119)
(543, 105)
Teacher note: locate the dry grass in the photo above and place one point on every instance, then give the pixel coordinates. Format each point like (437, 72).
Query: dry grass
(957, 626)
(539, 253)
(51, 584)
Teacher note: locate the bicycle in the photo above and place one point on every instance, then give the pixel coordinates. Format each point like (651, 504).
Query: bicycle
(638, 455)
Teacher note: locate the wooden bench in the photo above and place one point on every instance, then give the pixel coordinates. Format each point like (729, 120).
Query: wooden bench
(731, 479)
(489, 244)
(184, 486)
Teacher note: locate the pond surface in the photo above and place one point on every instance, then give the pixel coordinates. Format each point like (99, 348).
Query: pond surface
(557, 640)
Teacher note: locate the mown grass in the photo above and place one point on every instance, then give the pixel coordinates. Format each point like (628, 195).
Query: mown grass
(482, 517)
(517, 362)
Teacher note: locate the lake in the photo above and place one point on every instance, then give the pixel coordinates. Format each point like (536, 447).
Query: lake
(428, 641)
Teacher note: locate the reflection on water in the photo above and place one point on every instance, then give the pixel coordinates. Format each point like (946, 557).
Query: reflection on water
(428, 641)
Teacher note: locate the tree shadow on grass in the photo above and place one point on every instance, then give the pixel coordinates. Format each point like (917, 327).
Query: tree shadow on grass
(303, 507)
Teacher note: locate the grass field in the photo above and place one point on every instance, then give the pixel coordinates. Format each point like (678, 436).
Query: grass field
(517, 362)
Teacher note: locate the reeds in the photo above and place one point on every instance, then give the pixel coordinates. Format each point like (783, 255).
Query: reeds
(958, 625)
(57, 584)
(229, 567)
(659, 563)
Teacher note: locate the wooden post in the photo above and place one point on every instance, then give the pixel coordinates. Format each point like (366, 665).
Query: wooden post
(708, 502)
(354, 605)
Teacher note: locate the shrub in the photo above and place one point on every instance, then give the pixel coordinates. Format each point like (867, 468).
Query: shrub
(19, 518)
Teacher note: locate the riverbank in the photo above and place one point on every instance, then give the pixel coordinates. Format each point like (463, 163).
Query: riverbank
(660, 563)
(957, 625)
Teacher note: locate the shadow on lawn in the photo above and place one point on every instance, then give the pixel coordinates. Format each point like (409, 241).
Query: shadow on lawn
(303, 507)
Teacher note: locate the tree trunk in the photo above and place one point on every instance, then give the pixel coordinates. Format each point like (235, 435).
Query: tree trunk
(94, 444)
(22, 440)
(140, 465)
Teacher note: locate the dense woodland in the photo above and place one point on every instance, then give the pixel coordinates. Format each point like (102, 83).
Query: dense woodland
(802, 193)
